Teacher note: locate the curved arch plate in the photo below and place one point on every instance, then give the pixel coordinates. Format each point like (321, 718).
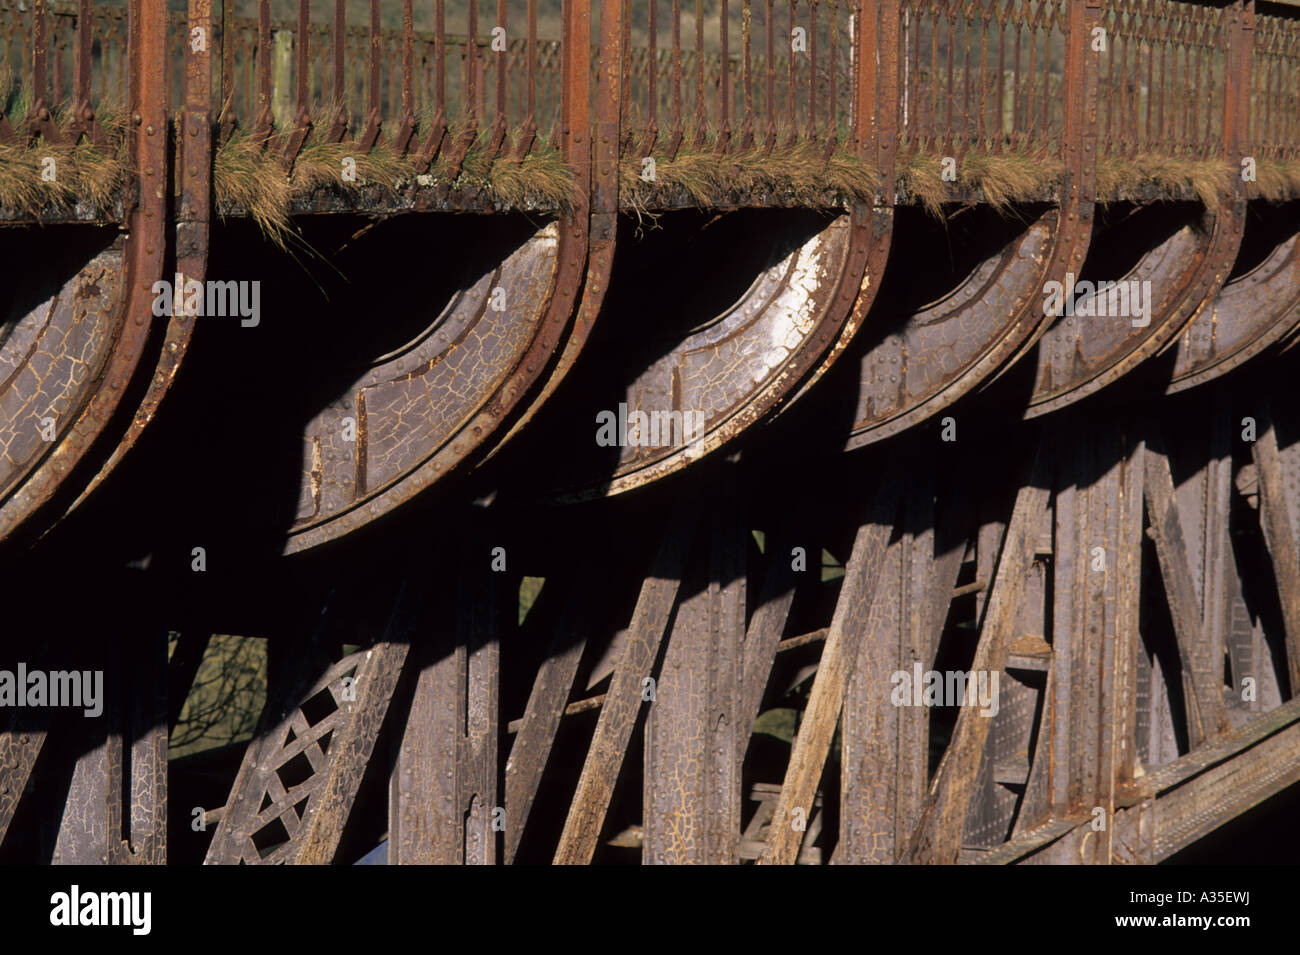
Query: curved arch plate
(736, 369)
(70, 359)
(1080, 355)
(1248, 315)
(419, 412)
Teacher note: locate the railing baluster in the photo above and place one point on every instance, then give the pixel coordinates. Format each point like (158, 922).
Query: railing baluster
(262, 123)
(932, 69)
(1002, 81)
(1017, 131)
(701, 119)
(746, 31)
(528, 135)
(374, 117)
(40, 120)
(83, 118)
(832, 129)
(675, 137)
(471, 64)
(652, 81)
(1124, 111)
(461, 147)
(949, 130)
(302, 121)
(770, 139)
(406, 125)
(340, 127)
(724, 89)
(812, 70)
(1109, 98)
(499, 124)
(793, 135)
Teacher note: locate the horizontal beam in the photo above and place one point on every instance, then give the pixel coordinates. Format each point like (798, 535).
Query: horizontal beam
(1181, 803)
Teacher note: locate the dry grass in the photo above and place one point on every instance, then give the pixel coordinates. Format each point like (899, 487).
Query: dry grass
(795, 174)
(81, 172)
(539, 180)
(1002, 178)
(923, 179)
(1211, 180)
(1276, 179)
(1005, 178)
(246, 178)
(249, 178)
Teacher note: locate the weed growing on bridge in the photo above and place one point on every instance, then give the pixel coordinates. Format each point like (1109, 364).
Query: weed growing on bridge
(798, 174)
(1005, 178)
(1171, 177)
(1002, 178)
(81, 171)
(1276, 179)
(249, 177)
(923, 180)
(244, 177)
(541, 178)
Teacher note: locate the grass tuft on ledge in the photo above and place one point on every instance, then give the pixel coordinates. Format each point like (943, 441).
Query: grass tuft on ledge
(1211, 180)
(252, 179)
(82, 172)
(1275, 180)
(248, 177)
(1002, 178)
(799, 174)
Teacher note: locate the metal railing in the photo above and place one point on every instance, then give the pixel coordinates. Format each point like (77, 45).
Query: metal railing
(942, 76)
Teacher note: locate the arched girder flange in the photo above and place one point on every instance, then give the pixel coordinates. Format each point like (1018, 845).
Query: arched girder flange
(970, 337)
(1081, 354)
(193, 172)
(1249, 315)
(451, 395)
(422, 410)
(722, 378)
(960, 342)
(73, 357)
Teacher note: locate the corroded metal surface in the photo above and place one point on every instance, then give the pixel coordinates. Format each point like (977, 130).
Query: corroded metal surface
(1081, 354)
(948, 348)
(589, 231)
(193, 223)
(420, 410)
(52, 359)
(1181, 277)
(1250, 314)
(719, 380)
(126, 320)
(969, 337)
